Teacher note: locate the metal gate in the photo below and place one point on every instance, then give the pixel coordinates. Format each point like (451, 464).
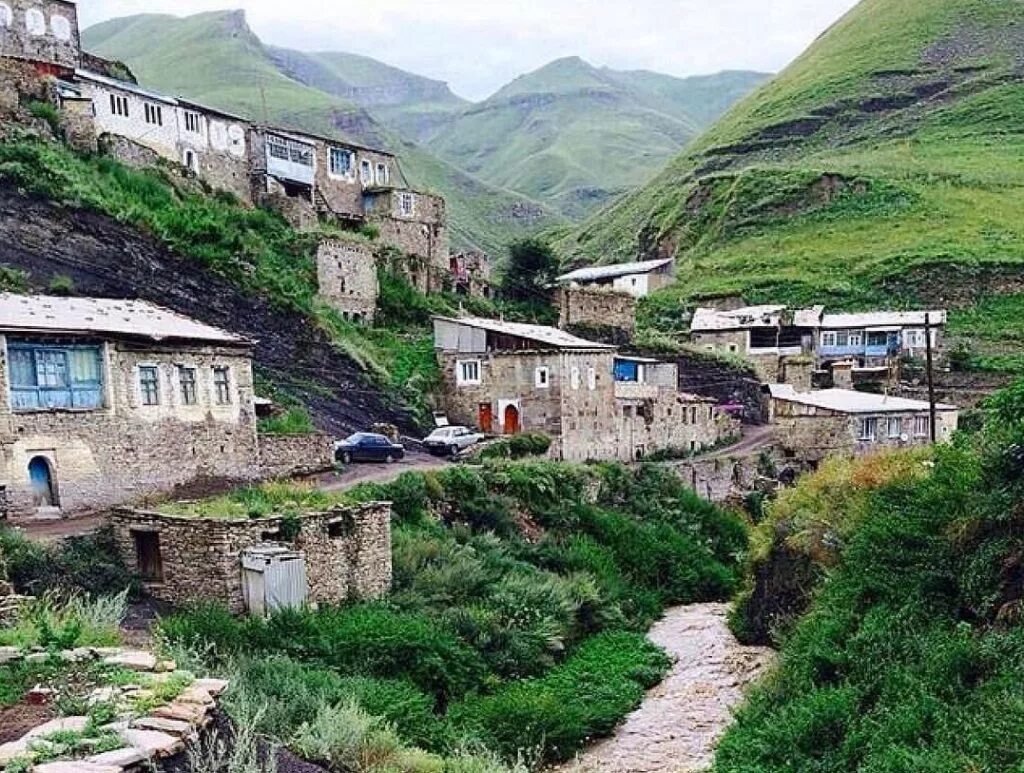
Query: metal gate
(273, 578)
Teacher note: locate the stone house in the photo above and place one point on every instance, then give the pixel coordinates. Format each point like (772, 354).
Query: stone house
(597, 311)
(104, 401)
(657, 416)
(813, 425)
(471, 274)
(417, 224)
(506, 378)
(636, 279)
(347, 277)
(43, 32)
(875, 339)
(772, 338)
(259, 564)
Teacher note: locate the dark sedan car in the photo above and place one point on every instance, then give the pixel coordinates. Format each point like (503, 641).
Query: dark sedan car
(367, 447)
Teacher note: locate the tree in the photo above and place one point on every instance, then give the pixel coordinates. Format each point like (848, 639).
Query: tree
(532, 268)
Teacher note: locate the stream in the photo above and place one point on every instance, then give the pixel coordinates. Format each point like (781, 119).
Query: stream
(680, 721)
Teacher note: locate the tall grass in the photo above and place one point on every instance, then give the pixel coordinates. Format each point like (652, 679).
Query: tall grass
(64, 622)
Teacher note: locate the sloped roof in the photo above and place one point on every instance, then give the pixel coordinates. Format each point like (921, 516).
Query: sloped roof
(125, 86)
(549, 336)
(105, 317)
(849, 401)
(752, 316)
(593, 273)
(882, 319)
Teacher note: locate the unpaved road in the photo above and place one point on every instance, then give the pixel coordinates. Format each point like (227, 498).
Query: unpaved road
(680, 721)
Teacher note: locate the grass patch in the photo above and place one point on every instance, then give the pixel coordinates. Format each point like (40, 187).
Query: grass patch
(294, 421)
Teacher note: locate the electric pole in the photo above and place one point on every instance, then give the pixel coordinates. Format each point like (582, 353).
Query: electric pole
(932, 413)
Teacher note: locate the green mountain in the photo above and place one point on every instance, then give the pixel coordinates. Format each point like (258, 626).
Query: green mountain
(414, 106)
(214, 58)
(885, 164)
(575, 136)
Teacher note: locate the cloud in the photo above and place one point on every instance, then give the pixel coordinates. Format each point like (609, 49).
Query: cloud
(479, 46)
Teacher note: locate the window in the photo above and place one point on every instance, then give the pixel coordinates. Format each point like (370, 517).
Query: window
(277, 148)
(541, 378)
(574, 378)
(190, 161)
(35, 22)
(693, 415)
(915, 339)
(222, 386)
(591, 379)
(52, 376)
(341, 162)
(878, 339)
(5, 15)
(149, 384)
(922, 426)
(366, 172)
(407, 205)
(383, 174)
(119, 105)
(856, 339)
(289, 150)
(154, 114)
(60, 27)
(187, 381)
(828, 339)
(467, 372)
(193, 122)
(895, 427)
(842, 338)
(868, 429)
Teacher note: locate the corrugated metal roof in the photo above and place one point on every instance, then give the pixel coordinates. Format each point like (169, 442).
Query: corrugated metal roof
(104, 317)
(737, 319)
(549, 336)
(849, 401)
(882, 319)
(594, 273)
(124, 86)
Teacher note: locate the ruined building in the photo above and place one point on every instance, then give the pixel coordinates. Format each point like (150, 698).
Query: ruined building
(104, 401)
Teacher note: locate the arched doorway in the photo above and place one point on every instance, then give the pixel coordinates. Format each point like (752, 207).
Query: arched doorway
(44, 489)
(511, 420)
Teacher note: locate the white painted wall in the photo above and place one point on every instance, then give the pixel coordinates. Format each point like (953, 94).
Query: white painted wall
(634, 284)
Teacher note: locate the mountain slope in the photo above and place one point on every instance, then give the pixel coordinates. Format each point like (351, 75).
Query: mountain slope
(575, 135)
(414, 106)
(887, 159)
(216, 59)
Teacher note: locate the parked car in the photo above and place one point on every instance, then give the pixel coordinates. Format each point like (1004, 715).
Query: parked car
(451, 440)
(367, 447)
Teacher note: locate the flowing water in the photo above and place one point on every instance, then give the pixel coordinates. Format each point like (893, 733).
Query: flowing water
(680, 721)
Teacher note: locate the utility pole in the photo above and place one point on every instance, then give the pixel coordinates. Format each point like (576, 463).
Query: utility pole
(932, 414)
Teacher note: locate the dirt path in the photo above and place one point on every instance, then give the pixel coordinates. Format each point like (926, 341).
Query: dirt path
(354, 474)
(680, 721)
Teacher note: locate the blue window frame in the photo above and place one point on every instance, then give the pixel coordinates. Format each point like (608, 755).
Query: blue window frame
(52, 376)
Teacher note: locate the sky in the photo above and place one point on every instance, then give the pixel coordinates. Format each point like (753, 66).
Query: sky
(479, 45)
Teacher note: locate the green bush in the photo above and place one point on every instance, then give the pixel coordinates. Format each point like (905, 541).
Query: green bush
(517, 447)
(583, 698)
(61, 284)
(294, 421)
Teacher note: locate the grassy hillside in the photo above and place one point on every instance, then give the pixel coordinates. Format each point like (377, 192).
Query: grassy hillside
(216, 59)
(883, 165)
(574, 135)
(910, 656)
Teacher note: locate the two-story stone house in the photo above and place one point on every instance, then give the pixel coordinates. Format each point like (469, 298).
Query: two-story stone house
(104, 401)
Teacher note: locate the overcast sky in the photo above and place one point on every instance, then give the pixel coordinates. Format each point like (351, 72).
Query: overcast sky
(479, 45)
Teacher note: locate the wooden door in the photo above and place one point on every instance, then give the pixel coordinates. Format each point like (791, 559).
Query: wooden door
(511, 420)
(486, 418)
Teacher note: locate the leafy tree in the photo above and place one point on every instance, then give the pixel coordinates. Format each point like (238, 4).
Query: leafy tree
(532, 267)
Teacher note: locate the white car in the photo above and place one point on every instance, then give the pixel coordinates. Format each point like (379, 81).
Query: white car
(451, 440)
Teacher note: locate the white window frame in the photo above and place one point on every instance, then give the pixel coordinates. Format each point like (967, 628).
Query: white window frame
(542, 377)
(828, 338)
(331, 151)
(915, 339)
(35, 22)
(863, 434)
(193, 123)
(464, 373)
(592, 379)
(138, 384)
(382, 173)
(407, 204)
(6, 15)
(153, 114)
(365, 172)
(60, 26)
(574, 377)
(856, 338)
(119, 106)
(922, 426)
(230, 383)
(897, 422)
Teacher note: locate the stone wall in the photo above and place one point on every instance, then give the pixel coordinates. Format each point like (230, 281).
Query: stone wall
(727, 383)
(285, 456)
(422, 233)
(128, 151)
(126, 450)
(671, 421)
(596, 307)
(347, 551)
(77, 125)
(43, 31)
(347, 278)
(342, 195)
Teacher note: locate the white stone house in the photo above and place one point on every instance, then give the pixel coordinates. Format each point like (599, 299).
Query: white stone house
(636, 279)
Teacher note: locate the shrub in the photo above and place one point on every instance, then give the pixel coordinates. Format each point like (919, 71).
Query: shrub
(294, 421)
(46, 111)
(517, 447)
(61, 284)
(56, 623)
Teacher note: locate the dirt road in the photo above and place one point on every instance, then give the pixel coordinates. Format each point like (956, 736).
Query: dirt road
(680, 721)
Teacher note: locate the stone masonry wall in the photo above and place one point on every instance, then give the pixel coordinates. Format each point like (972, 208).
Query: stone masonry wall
(285, 456)
(672, 421)
(347, 549)
(595, 307)
(126, 450)
(424, 233)
(347, 278)
(42, 31)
